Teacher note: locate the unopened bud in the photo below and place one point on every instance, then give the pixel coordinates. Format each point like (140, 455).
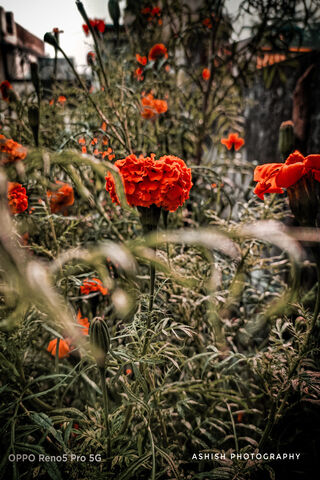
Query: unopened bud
(99, 340)
(286, 139)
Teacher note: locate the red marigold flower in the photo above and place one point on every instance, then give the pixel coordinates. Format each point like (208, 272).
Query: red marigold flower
(64, 348)
(145, 10)
(5, 86)
(155, 11)
(165, 182)
(206, 74)
(97, 24)
(157, 51)
(140, 59)
(138, 74)
(61, 198)
(233, 140)
(100, 26)
(62, 99)
(207, 22)
(301, 177)
(11, 151)
(152, 107)
(274, 177)
(17, 198)
(84, 322)
(93, 285)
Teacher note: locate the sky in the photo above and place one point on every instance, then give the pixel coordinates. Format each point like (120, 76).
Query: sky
(41, 16)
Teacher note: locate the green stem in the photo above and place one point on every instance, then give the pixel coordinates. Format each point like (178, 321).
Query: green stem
(89, 97)
(85, 17)
(151, 299)
(105, 407)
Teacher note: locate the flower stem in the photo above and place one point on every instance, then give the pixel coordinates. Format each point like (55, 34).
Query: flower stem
(151, 299)
(105, 406)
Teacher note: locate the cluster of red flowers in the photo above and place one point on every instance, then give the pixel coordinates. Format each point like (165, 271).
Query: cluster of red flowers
(139, 71)
(207, 22)
(274, 177)
(165, 182)
(17, 198)
(11, 151)
(233, 141)
(93, 285)
(62, 198)
(65, 345)
(152, 106)
(97, 24)
(5, 88)
(153, 13)
(206, 74)
(158, 50)
(61, 100)
(95, 150)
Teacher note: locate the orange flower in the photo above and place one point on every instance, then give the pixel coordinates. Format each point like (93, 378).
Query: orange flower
(152, 106)
(11, 151)
(165, 182)
(141, 60)
(17, 198)
(84, 322)
(62, 99)
(103, 126)
(233, 141)
(207, 22)
(206, 74)
(157, 51)
(61, 198)
(138, 74)
(167, 68)
(94, 285)
(81, 141)
(64, 348)
(96, 24)
(273, 177)
(153, 13)
(5, 86)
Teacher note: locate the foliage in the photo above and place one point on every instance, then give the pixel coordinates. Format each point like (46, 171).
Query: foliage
(225, 359)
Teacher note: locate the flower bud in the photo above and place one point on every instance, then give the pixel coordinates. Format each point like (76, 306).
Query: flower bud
(35, 76)
(286, 139)
(99, 340)
(49, 38)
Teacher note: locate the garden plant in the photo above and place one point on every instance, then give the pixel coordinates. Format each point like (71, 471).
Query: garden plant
(159, 292)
